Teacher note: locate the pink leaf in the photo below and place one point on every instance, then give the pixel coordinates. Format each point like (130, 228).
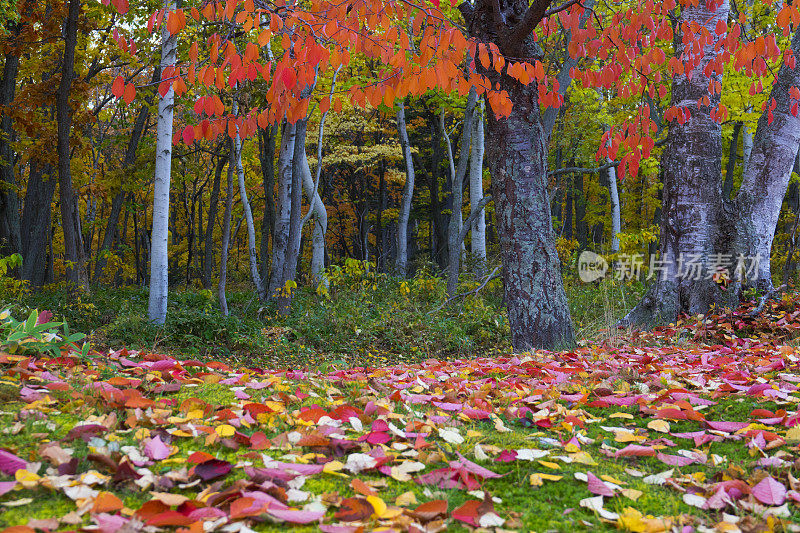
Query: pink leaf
(10, 463)
(727, 427)
(675, 460)
(156, 449)
(636, 451)
(297, 517)
(598, 486)
(770, 491)
(6, 486)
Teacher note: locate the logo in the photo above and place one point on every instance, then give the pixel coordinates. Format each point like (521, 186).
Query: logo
(591, 267)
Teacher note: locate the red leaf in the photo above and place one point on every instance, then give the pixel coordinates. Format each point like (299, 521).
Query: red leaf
(431, 510)
(354, 509)
(213, 469)
(118, 87)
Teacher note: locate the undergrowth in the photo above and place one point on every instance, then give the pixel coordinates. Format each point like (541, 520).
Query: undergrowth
(365, 318)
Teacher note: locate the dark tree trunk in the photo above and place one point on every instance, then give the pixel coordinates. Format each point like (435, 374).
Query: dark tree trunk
(733, 156)
(266, 154)
(10, 237)
(130, 159)
(517, 156)
(36, 223)
(70, 214)
(208, 247)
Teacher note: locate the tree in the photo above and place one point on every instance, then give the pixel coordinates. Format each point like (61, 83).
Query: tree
(401, 264)
(159, 257)
(706, 237)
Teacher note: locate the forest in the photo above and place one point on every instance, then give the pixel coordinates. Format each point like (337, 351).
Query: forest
(399, 265)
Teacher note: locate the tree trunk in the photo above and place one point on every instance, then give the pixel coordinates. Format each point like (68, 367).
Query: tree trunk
(266, 154)
(116, 203)
(733, 155)
(458, 174)
(478, 235)
(208, 246)
(320, 214)
(401, 263)
(10, 236)
(159, 257)
(248, 215)
(616, 218)
(36, 223)
(226, 236)
(517, 156)
(775, 145)
(70, 214)
(280, 239)
(694, 223)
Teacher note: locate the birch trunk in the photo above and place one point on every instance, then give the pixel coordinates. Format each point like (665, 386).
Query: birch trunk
(478, 236)
(280, 239)
(320, 214)
(695, 225)
(248, 215)
(226, 237)
(767, 174)
(401, 264)
(616, 217)
(458, 174)
(159, 257)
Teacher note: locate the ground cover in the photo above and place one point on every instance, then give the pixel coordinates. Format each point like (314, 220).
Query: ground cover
(692, 427)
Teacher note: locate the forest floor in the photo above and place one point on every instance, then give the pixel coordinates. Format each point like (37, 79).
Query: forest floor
(692, 427)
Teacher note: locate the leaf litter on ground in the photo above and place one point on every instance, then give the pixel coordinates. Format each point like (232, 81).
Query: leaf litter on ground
(691, 427)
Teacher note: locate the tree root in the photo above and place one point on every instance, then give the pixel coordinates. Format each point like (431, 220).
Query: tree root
(772, 294)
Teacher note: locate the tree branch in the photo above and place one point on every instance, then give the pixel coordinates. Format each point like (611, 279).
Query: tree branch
(473, 215)
(580, 170)
(533, 16)
(493, 275)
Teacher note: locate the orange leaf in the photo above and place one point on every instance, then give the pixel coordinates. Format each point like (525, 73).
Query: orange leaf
(130, 93)
(106, 503)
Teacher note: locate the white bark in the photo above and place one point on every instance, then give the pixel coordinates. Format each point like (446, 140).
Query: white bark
(159, 258)
(747, 146)
(478, 244)
(317, 208)
(248, 215)
(768, 172)
(458, 174)
(280, 238)
(408, 192)
(226, 237)
(616, 217)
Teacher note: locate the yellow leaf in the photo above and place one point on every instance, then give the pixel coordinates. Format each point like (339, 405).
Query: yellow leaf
(633, 494)
(378, 505)
(194, 415)
(583, 458)
(621, 415)
(627, 436)
(537, 479)
(550, 464)
(141, 434)
(225, 430)
(332, 467)
(662, 426)
(632, 520)
(406, 499)
(26, 479)
(571, 448)
(474, 434)
(793, 435)
(611, 479)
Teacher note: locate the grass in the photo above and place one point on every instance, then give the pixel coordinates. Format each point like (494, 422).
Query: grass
(365, 319)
